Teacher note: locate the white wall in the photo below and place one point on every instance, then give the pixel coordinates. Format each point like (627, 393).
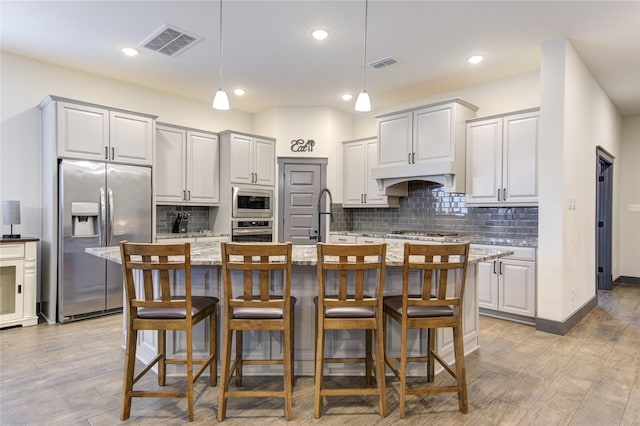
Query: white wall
(327, 127)
(628, 165)
(26, 82)
(577, 116)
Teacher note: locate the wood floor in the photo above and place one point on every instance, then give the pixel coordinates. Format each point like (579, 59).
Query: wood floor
(71, 375)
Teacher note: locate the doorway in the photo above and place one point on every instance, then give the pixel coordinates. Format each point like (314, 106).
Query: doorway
(301, 180)
(604, 216)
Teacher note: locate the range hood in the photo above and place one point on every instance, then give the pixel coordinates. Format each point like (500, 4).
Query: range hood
(447, 174)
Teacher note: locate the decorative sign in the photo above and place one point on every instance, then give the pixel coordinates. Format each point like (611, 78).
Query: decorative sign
(299, 145)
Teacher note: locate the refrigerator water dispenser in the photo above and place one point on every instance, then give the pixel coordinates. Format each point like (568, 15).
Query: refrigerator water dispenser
(85, 218)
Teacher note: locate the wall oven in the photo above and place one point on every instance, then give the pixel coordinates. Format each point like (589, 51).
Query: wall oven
(252, 231)
(252, 203)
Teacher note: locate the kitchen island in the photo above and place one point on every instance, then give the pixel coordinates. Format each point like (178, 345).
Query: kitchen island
(207, 280)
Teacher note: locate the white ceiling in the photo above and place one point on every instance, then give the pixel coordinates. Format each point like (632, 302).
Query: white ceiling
(268, 49)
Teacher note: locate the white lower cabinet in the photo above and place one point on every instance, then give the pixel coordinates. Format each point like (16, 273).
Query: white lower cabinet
(18, 283)
(508, 285)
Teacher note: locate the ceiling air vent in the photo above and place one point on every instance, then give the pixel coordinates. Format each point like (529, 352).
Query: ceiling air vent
(381, 63)
(170, 41)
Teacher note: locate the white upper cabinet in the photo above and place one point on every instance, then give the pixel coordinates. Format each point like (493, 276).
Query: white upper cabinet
(424, 143)
(97, 133)
(359, 188)
(251, 159)
(502, 159)
(187, 166)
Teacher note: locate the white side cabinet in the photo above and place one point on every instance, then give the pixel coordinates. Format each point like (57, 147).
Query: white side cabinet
(508, 285)
(502, 159)
(251, 158)
(18, 282)
(425, 141)
(187, 166)
(92, 132)
(359, 188)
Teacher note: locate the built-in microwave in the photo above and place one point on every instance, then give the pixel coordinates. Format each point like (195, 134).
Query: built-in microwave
(252, 203)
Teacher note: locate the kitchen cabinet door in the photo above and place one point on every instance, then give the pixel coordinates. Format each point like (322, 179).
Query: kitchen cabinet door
(517, 287)
(487, 283)
(484, 160)
(354, 169)
(202, 169)
(264, 161)
(520, 158)
(241, 159)
(396, 139)
(373, 196)
(433, 134)
(171, 161)
(83, 131)
(131, 138)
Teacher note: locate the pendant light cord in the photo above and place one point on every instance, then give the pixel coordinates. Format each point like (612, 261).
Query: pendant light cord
(220, 65)
(364, 54)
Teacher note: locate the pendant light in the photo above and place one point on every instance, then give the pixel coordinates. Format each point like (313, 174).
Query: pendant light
(221, 100)
(363, 103)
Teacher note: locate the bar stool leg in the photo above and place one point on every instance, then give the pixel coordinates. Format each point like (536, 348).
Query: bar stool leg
(130, 363)
(380, 373)
(238, 358)
(213, 337)
(369, 367)
(317, 406)
(225, 373)
(162, 351)
(461, 375)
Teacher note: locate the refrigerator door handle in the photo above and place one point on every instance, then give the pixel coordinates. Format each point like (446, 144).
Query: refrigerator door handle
(111, 214)
(103, 215)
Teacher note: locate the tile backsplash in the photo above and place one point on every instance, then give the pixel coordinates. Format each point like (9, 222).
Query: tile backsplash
(198, 217)
(428, 208)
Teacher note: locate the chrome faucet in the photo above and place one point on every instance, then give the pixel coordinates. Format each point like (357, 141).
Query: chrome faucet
(320, 213)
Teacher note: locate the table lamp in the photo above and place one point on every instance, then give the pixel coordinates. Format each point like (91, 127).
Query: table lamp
(11, 216)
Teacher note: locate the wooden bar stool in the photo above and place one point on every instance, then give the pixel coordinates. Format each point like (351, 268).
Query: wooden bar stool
(151, 305)
(358, 272)
(256, 307)
(442, 270)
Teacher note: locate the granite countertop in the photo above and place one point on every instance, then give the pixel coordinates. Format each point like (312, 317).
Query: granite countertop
(208, 254)
(475, 240)
(22, 239)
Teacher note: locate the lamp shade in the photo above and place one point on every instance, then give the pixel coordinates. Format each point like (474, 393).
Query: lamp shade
(11, 212)
(221, 100)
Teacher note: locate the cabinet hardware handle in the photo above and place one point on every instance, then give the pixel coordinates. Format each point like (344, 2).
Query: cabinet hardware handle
(504, 194)
(113, 153)
(409, 158)
(498, 194)
(365, 198)
(501, 268)
(184, 195)
(106, 152)
(19, 288)
(413, 158)
(494, 267)
(189, 195)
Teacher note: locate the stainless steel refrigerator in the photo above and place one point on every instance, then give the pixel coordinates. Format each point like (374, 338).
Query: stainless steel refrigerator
(100, 204)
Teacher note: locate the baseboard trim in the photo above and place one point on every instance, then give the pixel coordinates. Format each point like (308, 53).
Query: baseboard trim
(562, 328)
(507, 316)
(623, 279)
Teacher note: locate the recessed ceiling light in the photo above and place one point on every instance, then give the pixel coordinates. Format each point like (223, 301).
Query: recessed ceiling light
(130, 51)
(238, 91)
(320, 33)
(346, 96)
(475, 59)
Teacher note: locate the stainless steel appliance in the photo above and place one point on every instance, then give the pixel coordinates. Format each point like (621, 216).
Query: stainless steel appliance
(252, 203)
(245, 231)
(100, 204)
